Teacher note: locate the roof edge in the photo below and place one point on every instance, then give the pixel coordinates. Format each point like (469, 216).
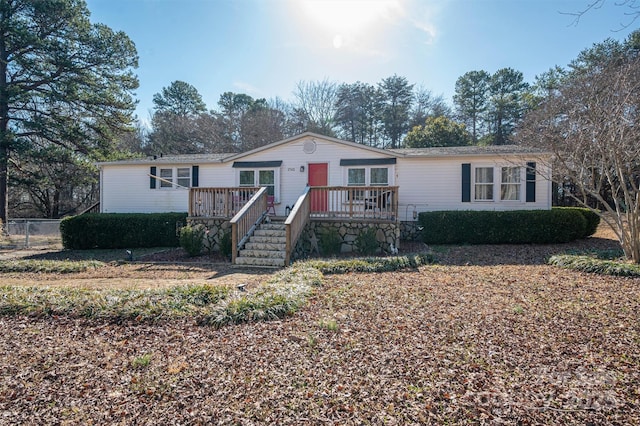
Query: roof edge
(313, 135)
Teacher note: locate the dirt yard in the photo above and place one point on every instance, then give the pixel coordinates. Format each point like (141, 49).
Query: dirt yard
(491, 335)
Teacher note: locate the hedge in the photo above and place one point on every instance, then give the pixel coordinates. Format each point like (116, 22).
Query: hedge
(121, 230)
(503, 227)
(593, 219)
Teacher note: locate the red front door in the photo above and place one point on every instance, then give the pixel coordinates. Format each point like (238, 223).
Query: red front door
(318, 176)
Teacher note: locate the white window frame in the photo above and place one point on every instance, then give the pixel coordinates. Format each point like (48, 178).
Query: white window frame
(166, 178)
(256, 179)
(517, 184)
(498, 183)
(367, 175)
(477, 184)
(174, 178)
(182, 180)
(361, 195)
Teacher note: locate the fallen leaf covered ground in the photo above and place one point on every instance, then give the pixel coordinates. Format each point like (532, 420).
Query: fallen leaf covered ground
(487, 342)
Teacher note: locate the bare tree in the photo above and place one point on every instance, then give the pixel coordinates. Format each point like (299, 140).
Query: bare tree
(631, 15)
(591, 124)
(316, 105)
(426, 105)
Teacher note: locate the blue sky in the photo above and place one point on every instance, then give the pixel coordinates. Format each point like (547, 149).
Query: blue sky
(264, 47)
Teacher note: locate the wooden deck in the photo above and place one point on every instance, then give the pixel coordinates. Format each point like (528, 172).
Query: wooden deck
(369, 203)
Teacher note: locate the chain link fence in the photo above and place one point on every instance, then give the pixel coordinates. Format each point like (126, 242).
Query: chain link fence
(32, 233)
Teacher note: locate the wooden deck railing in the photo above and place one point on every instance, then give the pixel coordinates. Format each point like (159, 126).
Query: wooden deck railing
(93, 208)
(246, 220)
(218, 202)
(354, 202)
(296, 221)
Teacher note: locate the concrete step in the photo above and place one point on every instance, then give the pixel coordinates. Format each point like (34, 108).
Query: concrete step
(267, 239)
(275, 254)
(269, 233)
(273, 226)
(260, 261)
(265, 246)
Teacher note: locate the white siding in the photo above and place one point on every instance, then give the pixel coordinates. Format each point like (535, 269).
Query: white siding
(293, 156)
(430, 184)
(125, 189)
(426, 184)
(218, 175)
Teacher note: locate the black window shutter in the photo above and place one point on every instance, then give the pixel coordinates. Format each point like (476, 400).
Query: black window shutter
(152, 179)
(195, 179)
(531, 183)
(466, 182)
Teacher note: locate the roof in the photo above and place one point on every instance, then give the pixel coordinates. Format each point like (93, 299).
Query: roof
(451, 151)
(459, 151)
(171, 159)
(313, 136)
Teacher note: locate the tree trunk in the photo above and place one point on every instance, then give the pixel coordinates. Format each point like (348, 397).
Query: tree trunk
(5, 141)
(4, 181)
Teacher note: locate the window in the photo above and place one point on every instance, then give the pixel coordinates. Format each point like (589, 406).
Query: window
(175, 177)
(261, 177)
(184, 176)
(484, 183)
(247, 178)
(368, 176)
(510, 186)
(379, 176)
(356, 177)
(267, 178)
(167, 178)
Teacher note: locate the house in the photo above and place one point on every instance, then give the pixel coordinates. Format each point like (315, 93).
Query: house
(339, 182)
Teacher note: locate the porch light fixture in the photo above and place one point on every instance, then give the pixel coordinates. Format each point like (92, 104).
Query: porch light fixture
(301, 169)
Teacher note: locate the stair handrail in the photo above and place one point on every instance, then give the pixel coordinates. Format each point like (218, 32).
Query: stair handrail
(247, 220)
(296, 221)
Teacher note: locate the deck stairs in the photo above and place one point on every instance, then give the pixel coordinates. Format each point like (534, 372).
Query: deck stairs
(266, 248)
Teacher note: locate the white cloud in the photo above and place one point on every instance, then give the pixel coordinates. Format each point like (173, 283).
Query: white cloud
(247, 88)
(422, 16)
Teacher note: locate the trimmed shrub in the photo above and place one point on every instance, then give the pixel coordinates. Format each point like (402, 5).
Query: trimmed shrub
(121, 230)
(592, 218)
(503, 227)
(330, 242)
(192, 239)
(366, 242)
(226, 245)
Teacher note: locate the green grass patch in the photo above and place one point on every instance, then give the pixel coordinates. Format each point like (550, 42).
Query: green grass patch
(593, 264)
(371, 264)
(142, 361)
(111, 305)
(48, 266)
(282, 295)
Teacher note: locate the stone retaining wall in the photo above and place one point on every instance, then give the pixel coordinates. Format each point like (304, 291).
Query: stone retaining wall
(410, 231)
(217, 227)
(308, 245)
(310, 242)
